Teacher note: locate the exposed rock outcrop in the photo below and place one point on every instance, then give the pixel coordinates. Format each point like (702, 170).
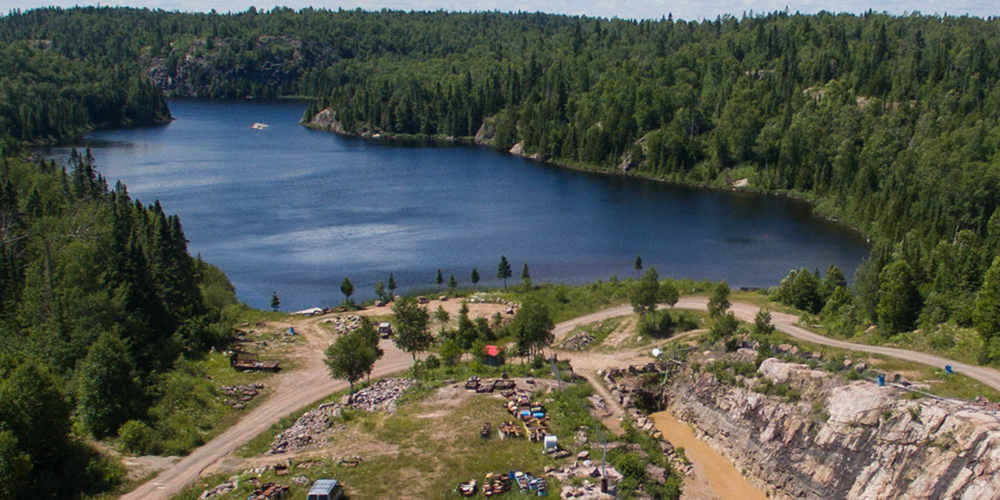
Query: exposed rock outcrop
(191, 69)
(327, 120)
(486, 133)
(843, 441)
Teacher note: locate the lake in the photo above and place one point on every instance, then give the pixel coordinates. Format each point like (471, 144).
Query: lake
(294, 210)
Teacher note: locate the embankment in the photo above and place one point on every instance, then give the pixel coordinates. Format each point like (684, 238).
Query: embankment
(827, 439)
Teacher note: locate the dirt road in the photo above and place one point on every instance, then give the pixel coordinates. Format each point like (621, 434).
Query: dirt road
(311, 382)
(787, 323)
(291, 390)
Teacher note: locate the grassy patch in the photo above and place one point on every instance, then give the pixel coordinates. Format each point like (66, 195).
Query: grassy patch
(598, 330)
(427, 447)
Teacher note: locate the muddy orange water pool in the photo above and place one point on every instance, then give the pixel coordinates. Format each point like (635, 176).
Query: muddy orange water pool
(724, 481)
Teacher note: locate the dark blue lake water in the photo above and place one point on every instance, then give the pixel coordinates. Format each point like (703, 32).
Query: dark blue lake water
(293, 210)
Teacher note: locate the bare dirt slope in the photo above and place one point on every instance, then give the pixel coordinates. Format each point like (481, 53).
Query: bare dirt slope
(294, 389)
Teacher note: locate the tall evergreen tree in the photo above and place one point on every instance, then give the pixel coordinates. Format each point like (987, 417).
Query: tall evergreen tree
(474, 277)
(504, 270)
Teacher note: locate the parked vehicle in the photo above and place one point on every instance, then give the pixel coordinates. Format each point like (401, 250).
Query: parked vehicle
(385, 329)
(326, 489)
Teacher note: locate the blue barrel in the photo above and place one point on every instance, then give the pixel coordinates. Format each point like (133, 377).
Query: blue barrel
(881, 380)
(947, 369)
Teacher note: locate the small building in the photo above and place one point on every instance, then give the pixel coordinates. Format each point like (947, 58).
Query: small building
(493, 357)
(326, 489)
(385, 329)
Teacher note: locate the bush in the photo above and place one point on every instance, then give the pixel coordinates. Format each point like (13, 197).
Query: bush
(137, 438)
(658, 324)
(432, 362)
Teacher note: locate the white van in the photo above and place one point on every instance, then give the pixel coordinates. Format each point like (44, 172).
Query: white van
(326, 489)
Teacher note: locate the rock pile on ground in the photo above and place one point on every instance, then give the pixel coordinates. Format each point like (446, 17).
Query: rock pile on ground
(382, 396)
(237, 396)
(221, 489)
(578, 341)
(586, 491)
(307, 430)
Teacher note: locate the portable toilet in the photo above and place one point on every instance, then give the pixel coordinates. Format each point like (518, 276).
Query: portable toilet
(326, 489)
(551, 443)
(291, 330)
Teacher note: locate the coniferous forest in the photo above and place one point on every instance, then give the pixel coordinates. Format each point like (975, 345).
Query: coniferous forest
(887, 123)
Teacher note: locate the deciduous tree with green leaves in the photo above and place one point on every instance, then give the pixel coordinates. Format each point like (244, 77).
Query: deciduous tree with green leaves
(718, 302)
(645, 293)
(411, 333)
(350, 357)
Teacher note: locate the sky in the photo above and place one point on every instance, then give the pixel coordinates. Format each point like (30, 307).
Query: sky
(626, 9)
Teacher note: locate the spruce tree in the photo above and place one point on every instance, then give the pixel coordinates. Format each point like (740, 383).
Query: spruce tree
(504, 271)
(475, 277)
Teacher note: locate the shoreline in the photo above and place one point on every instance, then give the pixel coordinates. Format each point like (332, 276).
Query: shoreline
(471, 141)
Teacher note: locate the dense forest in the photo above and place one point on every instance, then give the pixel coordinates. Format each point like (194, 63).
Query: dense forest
(100, 301)
(887, 123)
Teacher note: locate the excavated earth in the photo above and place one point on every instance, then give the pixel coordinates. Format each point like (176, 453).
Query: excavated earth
(839, 440)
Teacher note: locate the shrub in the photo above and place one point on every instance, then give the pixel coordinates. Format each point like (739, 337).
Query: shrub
(432, 362)
(137, 438)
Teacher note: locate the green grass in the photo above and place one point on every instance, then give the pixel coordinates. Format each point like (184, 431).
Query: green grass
(599, 330)
(425, 449)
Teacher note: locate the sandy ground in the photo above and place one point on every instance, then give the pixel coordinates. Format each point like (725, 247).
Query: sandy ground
(715, 478)
(476, 310)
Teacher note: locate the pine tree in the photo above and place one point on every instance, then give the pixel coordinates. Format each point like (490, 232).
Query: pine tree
(504, 271)
(439, 280)
(347, 288)
(275, 301)
(474, 278)
(452, 282)
(638, 265)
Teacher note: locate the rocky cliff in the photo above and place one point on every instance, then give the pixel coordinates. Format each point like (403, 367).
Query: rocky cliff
(327, 120)
(837, 440)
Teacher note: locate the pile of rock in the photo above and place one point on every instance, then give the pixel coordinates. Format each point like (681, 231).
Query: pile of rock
(240, 395)
(578, 341)
(226, 487)
(382, 396)
(307, 430)
(586, 491)
(344, 325)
